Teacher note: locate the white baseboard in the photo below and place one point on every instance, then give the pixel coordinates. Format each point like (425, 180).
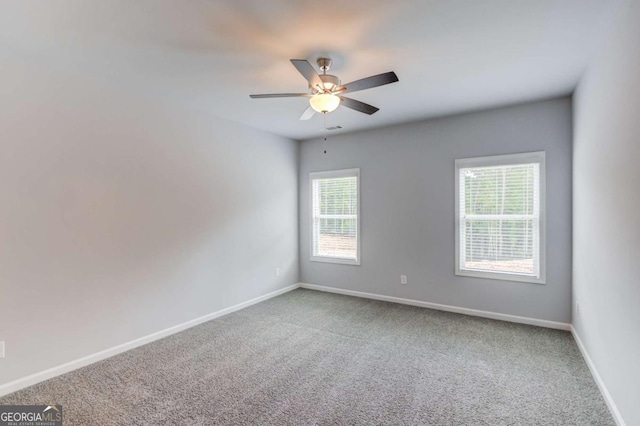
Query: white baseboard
(596, 376)
(493, 315)
(99, 356)
(90, 359)
(448, 308)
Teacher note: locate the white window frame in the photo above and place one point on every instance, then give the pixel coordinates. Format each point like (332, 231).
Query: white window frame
(503, 160)
(328, 175)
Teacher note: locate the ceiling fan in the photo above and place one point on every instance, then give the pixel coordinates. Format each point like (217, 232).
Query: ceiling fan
(325, 91)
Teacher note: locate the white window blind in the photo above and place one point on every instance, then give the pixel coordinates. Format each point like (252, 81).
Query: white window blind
(499, 219)
(335, 216)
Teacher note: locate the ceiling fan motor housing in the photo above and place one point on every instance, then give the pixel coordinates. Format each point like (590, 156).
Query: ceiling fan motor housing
(328, 81)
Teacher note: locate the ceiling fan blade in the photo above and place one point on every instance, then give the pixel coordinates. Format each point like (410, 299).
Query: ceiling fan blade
(308, 113)
(358, 106)
(369, 82)
(280, 95)
(307, 71)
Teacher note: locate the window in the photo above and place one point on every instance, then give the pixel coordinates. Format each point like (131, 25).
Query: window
(335, 218)
(500, 222)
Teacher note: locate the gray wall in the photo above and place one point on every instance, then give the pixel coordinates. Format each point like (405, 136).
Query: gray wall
(606, 201)
(122, 216)
(407, 211)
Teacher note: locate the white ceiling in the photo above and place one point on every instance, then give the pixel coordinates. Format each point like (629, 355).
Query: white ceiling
(450, 56)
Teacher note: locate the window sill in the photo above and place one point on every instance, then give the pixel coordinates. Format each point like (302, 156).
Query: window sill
(338, 260)
(503, 276)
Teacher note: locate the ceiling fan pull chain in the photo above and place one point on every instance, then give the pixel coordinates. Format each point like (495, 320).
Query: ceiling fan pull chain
(325, 131)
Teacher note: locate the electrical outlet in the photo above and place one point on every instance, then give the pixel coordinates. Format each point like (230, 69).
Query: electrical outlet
(277, 272)
(1, 349)
(403, 279)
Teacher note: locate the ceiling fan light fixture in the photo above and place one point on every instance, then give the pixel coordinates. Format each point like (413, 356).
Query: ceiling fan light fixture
(324, 102)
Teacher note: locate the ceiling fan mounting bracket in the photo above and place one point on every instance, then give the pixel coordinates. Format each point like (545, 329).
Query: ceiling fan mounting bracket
(324, 64)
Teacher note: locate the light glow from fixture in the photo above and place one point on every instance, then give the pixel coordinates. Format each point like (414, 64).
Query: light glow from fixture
(324, 102)
(328, 85)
